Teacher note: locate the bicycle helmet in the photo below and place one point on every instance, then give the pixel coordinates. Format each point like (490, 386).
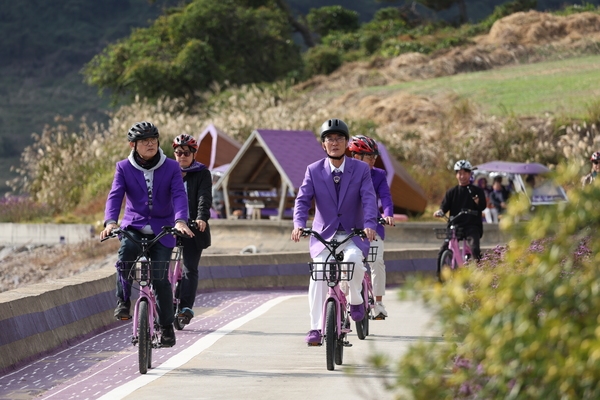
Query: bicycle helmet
(595, 156)
(142, 130)
(334, 126)
(463, 164)
(185, 140)
(363, 145)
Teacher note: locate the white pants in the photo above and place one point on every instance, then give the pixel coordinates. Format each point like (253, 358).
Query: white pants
(317, 290)
(491, 215)
(378, 269)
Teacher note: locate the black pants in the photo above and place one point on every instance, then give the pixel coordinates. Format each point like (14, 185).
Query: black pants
(472, 235)
(189, 280)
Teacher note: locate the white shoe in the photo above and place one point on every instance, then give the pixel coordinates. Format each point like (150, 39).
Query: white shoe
(379, 309)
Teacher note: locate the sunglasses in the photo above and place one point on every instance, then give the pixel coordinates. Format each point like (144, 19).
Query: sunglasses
(185, 153)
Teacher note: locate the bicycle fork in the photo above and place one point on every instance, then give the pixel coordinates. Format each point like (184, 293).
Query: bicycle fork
(341, 304)
(147, 296)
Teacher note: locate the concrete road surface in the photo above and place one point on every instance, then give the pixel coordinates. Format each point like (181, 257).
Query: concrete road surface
(241, 345)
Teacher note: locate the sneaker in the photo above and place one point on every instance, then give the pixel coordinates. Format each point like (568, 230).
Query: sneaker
(185, 315)
(313, 338)
(122, 310)
(380, 310)
(167, 336)
(357, 312)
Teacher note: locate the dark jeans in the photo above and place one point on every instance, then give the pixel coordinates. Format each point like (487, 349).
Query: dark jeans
(162, 287)
(472, 235)
(189, 280)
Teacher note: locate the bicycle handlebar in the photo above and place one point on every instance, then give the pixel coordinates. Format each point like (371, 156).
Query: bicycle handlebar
(333, 243)
(166, 230)
(462, 212)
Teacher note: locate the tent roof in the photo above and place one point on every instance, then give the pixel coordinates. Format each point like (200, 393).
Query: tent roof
(270, 157)
(216, 148)
(407, 194)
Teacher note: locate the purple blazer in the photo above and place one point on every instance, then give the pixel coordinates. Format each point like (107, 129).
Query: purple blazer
(168, 197)
(356, 208)
(382, 191)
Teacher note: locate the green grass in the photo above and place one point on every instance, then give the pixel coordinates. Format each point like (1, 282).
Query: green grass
(562, 87)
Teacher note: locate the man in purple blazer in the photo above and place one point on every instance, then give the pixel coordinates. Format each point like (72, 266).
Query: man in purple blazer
(342, 190)
(365, 149)
(155, 196)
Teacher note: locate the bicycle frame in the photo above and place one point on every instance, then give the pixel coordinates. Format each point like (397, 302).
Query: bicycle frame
(334, 293)
(458, 252)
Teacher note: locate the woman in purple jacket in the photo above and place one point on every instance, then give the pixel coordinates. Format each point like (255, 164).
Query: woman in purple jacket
(364, 148)
(152, 187)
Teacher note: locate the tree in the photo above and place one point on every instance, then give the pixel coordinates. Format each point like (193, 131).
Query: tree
(324, 20)
(191, 47)
(439, 5)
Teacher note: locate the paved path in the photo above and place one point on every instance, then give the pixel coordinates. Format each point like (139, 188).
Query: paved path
(240, 345)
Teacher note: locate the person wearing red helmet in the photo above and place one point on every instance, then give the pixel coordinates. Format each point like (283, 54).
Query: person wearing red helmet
(198, 186)
(591, 177)
(364, 148)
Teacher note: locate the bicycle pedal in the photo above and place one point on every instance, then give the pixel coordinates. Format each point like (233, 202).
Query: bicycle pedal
(379, 317)
(347, 344)
(314, 344)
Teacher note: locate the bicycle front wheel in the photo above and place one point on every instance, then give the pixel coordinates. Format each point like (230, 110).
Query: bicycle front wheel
(144, 345)
(445, 264)
(330, 334)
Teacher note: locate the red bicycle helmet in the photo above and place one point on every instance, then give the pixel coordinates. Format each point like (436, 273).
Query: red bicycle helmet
(363, 145)
(595, 156)
(185, 140)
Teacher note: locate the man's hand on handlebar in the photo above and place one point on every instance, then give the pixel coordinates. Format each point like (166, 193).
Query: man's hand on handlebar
(370, 234)
(296, 234)
(183, 228)
(108, 230)
(388, 221)
(438, 214)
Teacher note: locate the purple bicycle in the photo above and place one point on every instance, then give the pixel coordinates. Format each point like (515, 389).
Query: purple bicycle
(146, 331)
(336, 315)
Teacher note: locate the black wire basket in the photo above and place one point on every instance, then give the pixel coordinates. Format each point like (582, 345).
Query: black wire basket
(331, 271)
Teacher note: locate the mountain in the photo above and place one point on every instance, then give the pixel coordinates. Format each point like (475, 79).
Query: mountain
(44, 45)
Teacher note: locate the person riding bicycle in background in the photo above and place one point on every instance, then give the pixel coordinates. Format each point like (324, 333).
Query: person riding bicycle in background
(342, 190)
(364, 148)
(198, 185)
(464, 196)
(155, 197)
(591, 177)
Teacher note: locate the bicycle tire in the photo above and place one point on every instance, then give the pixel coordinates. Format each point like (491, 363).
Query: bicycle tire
(330, 334)
(362, 326)
(339, 344)
(143, 337)
(446, 261)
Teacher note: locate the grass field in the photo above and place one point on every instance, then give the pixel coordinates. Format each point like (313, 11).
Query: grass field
(563, 88)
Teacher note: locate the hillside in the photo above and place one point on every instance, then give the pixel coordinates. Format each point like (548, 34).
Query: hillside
(367, 91)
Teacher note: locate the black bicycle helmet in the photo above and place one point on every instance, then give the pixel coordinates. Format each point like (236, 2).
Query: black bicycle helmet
(334, 125)
(142, 130)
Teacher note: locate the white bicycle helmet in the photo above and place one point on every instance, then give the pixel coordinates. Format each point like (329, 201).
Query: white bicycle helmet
(463, 164)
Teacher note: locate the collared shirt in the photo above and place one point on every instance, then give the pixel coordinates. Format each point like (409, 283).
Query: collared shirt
(340, 168)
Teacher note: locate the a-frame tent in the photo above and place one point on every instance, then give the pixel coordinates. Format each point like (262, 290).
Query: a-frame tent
(269, 169)
(407, 195)
(216, 148)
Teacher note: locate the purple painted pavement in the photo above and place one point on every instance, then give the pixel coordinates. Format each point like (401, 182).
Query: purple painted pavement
(97, 365)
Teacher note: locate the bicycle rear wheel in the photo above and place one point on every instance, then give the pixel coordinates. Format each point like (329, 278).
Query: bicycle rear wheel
(362, 326)
(445, 263)
(144, 345)
(331, 336)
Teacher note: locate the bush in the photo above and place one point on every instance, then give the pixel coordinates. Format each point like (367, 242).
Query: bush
(321, 60)
(524, 322)
(325, 20)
